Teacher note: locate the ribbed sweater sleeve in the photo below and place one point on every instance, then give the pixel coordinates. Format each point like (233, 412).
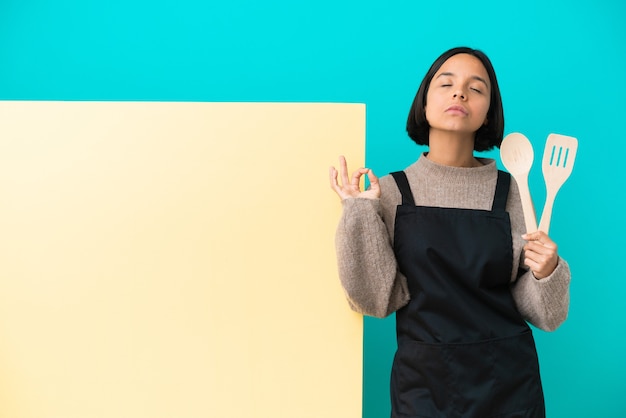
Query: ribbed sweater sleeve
(364, 242)
(367, 264)
(544, 303)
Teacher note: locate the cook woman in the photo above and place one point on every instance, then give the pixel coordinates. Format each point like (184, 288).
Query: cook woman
(442, 243)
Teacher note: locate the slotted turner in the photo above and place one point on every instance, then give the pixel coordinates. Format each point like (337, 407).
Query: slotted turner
(516, 153)
(557, 164)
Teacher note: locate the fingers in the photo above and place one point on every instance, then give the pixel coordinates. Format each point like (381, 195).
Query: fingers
(345, 180)
(333, 177)
(537, 236)
(540, 254)
(540, 243)
(374, 184)
(541, 270)
(332, 172)
(356, 177)
(343, 166)
(350, 186)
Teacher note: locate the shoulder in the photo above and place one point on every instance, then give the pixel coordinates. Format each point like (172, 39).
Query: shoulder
(389, 192)
(390, 195)
(514, 197)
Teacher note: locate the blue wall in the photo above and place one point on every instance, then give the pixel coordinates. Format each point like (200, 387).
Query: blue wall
(561, 66)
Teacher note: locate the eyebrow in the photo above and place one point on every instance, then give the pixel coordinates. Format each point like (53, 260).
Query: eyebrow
(474, 77)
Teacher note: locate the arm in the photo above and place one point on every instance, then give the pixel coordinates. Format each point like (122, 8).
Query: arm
(544, 302)
(541, 288)
(367, 264)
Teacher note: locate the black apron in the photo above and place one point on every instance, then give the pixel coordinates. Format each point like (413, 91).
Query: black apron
(463, 348)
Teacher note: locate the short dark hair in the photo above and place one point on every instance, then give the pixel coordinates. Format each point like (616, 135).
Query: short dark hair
(489, 135)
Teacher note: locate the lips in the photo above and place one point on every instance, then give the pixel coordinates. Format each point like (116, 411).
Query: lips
(456, 109)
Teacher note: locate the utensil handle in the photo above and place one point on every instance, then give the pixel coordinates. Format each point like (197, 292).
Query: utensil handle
(546, 215)
(527, 207)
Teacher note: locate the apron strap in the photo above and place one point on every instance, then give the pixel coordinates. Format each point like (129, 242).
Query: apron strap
(403, 186)
(502, 191)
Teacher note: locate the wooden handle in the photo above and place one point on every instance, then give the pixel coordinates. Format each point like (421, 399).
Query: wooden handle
(527, 206)
(546, 215)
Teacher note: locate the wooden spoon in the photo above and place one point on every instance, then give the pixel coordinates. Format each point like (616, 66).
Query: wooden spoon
(557, 165)
(517, 155)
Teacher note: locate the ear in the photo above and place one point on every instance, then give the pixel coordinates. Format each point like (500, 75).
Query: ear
(486, 122)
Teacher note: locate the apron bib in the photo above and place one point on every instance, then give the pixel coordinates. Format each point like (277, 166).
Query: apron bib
(463, 348)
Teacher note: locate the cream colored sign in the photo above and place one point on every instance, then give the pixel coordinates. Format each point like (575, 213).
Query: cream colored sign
(174, 260)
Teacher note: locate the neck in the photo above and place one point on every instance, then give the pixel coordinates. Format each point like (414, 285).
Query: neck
(452, 149)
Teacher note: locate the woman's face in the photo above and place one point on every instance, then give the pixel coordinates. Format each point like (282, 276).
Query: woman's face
(459, 95)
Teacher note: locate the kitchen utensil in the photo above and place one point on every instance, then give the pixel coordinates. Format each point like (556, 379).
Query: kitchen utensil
(557, 164)
(517, 155)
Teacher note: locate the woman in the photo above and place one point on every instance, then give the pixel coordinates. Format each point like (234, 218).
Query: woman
(443, 245)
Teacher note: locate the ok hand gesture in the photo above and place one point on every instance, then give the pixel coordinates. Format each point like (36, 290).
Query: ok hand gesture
(350, 187)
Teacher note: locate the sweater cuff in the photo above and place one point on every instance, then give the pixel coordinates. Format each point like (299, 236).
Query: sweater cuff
(357, 204)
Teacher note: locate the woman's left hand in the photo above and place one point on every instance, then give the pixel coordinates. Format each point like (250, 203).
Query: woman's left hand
(541, 254)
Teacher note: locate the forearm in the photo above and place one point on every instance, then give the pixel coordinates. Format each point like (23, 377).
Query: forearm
(545, 302)
(367, 264)
(542, 302)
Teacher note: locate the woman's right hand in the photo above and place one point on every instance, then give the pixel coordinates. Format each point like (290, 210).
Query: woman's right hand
(350, 187)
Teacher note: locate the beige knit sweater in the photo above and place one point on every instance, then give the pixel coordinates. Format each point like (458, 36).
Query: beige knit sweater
(364, 242)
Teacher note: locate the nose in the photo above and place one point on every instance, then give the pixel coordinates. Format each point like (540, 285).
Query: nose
(459, 94)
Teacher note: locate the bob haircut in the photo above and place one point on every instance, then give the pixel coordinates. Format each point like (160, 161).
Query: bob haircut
(487, 136)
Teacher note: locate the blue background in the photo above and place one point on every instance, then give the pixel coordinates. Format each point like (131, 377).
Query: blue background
(561, 66)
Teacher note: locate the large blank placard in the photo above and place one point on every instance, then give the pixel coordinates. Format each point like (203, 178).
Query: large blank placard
(174, 260)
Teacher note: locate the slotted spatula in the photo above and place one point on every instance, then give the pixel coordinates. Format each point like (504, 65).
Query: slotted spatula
(516, 153)
(557, 164)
